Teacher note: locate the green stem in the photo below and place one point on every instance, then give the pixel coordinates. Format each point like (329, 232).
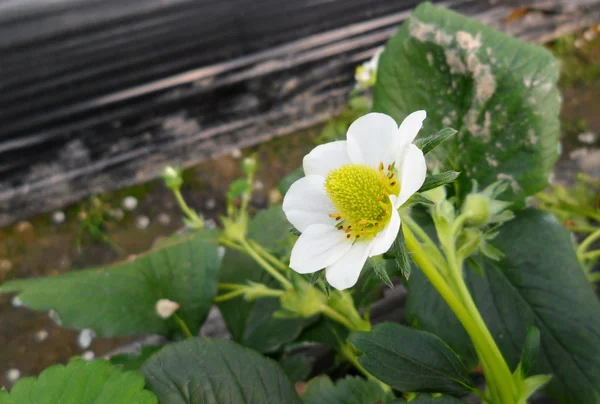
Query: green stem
(229, 295)
(476, 329)
(193, 216)
(231, 286)
(437, 257)
(582, 229)
(585, 244)
(592, 255)
(183, 326)
(267, 255)
(230, 244)
(262, 262)
(348, 354)
(337, 317)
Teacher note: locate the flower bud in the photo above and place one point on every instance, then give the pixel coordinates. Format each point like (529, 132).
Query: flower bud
(249, 165)
(165, 308)
(477, 209)
(172, 177)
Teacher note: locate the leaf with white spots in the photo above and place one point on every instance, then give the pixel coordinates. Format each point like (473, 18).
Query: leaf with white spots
(121, 299)
(499, 92)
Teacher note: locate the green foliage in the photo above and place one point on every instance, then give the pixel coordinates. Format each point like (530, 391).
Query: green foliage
(437, 180)
(252, 323)
(499, 92)
(427, 144)
(134, 361)
(350, 390)
(81, 382)
(203, 371)
(121, 299)
(538, 282)
(411, 360)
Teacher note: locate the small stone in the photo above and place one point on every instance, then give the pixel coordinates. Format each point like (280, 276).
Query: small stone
(16, 301)
(24, 227)
(164, 219)
(165, 308)
(210, 204)
(58, 217)
(142, 222)
(54, 316)
(5, 265)
(41, 335)
(85, 338)
(259, 185)
(236, 153)
(587, 137)
(88, 355)
(116, 214)
(590, 35)
(13, 375)
(130, 202)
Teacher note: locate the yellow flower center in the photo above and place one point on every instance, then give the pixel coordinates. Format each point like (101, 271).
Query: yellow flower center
(361, 196)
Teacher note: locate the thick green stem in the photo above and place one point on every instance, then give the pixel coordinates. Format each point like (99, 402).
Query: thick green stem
(193, 216)
(585, 244)
(263, 263)
(267, 255)
(338, 318)
(472, 322)
(183, 326)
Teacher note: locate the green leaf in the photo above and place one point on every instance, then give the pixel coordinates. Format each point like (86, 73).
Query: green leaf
(203, 371)
(538, 282)
(430, 399)
(252, 323)
(350, 390)
(288, 180)
(499, 92)
(380, 270)
(134, 361)
(411, 360)
(81, 382)
(427, 144)
(437, 180)
(296, 367)
(530, 351)
(121, 299)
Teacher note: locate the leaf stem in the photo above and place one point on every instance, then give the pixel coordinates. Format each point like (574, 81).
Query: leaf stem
(585, 244)
(338, 318)
(263, 263)
(183, 326)
(229, 295)
(268, 256)
(347, 352)
(193, 216)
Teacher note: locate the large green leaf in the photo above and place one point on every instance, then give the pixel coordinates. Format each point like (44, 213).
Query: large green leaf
(351, 390)
(121, 299)
(538, 282)
(431, 399)
(411, 360)
(499, 92)
(207, 371)
(81, 382)
(252, 323)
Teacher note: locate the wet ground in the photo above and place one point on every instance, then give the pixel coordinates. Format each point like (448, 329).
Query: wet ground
(51, 244)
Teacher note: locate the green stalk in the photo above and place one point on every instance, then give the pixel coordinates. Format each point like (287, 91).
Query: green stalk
(472, 321)
(585, 244)
(183, 326)
(263, 263)
(193, 216)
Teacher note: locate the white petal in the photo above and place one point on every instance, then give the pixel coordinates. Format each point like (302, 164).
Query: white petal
(384, 240)
(319, 245)
(344, 273)
(306, 203)
(412, 170)
(373, 139)
(410, 126)
(326, 157)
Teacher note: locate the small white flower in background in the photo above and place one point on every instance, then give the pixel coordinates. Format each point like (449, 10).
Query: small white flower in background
(366, 74)
(346, 205)
(165, 308)
(13, 375)
(58, 217)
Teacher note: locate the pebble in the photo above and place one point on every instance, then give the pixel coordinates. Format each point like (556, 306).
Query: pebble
(88, 355)
(58, 217)
(5, 265)
(210, 204)
(164, 219)
(16, 302)
(24, 227)
(130, 202)
(117, 214)
(587, 137)
(236, 153)
(259, 185)
(13, 375)
(84, 340)
(589, 35)
(54, 316)
(142, 222)
(41, 335)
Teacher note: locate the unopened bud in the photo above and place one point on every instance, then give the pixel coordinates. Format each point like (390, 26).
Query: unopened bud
(165, 308)
(477, 209)
(249, 165)
(172, 177)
